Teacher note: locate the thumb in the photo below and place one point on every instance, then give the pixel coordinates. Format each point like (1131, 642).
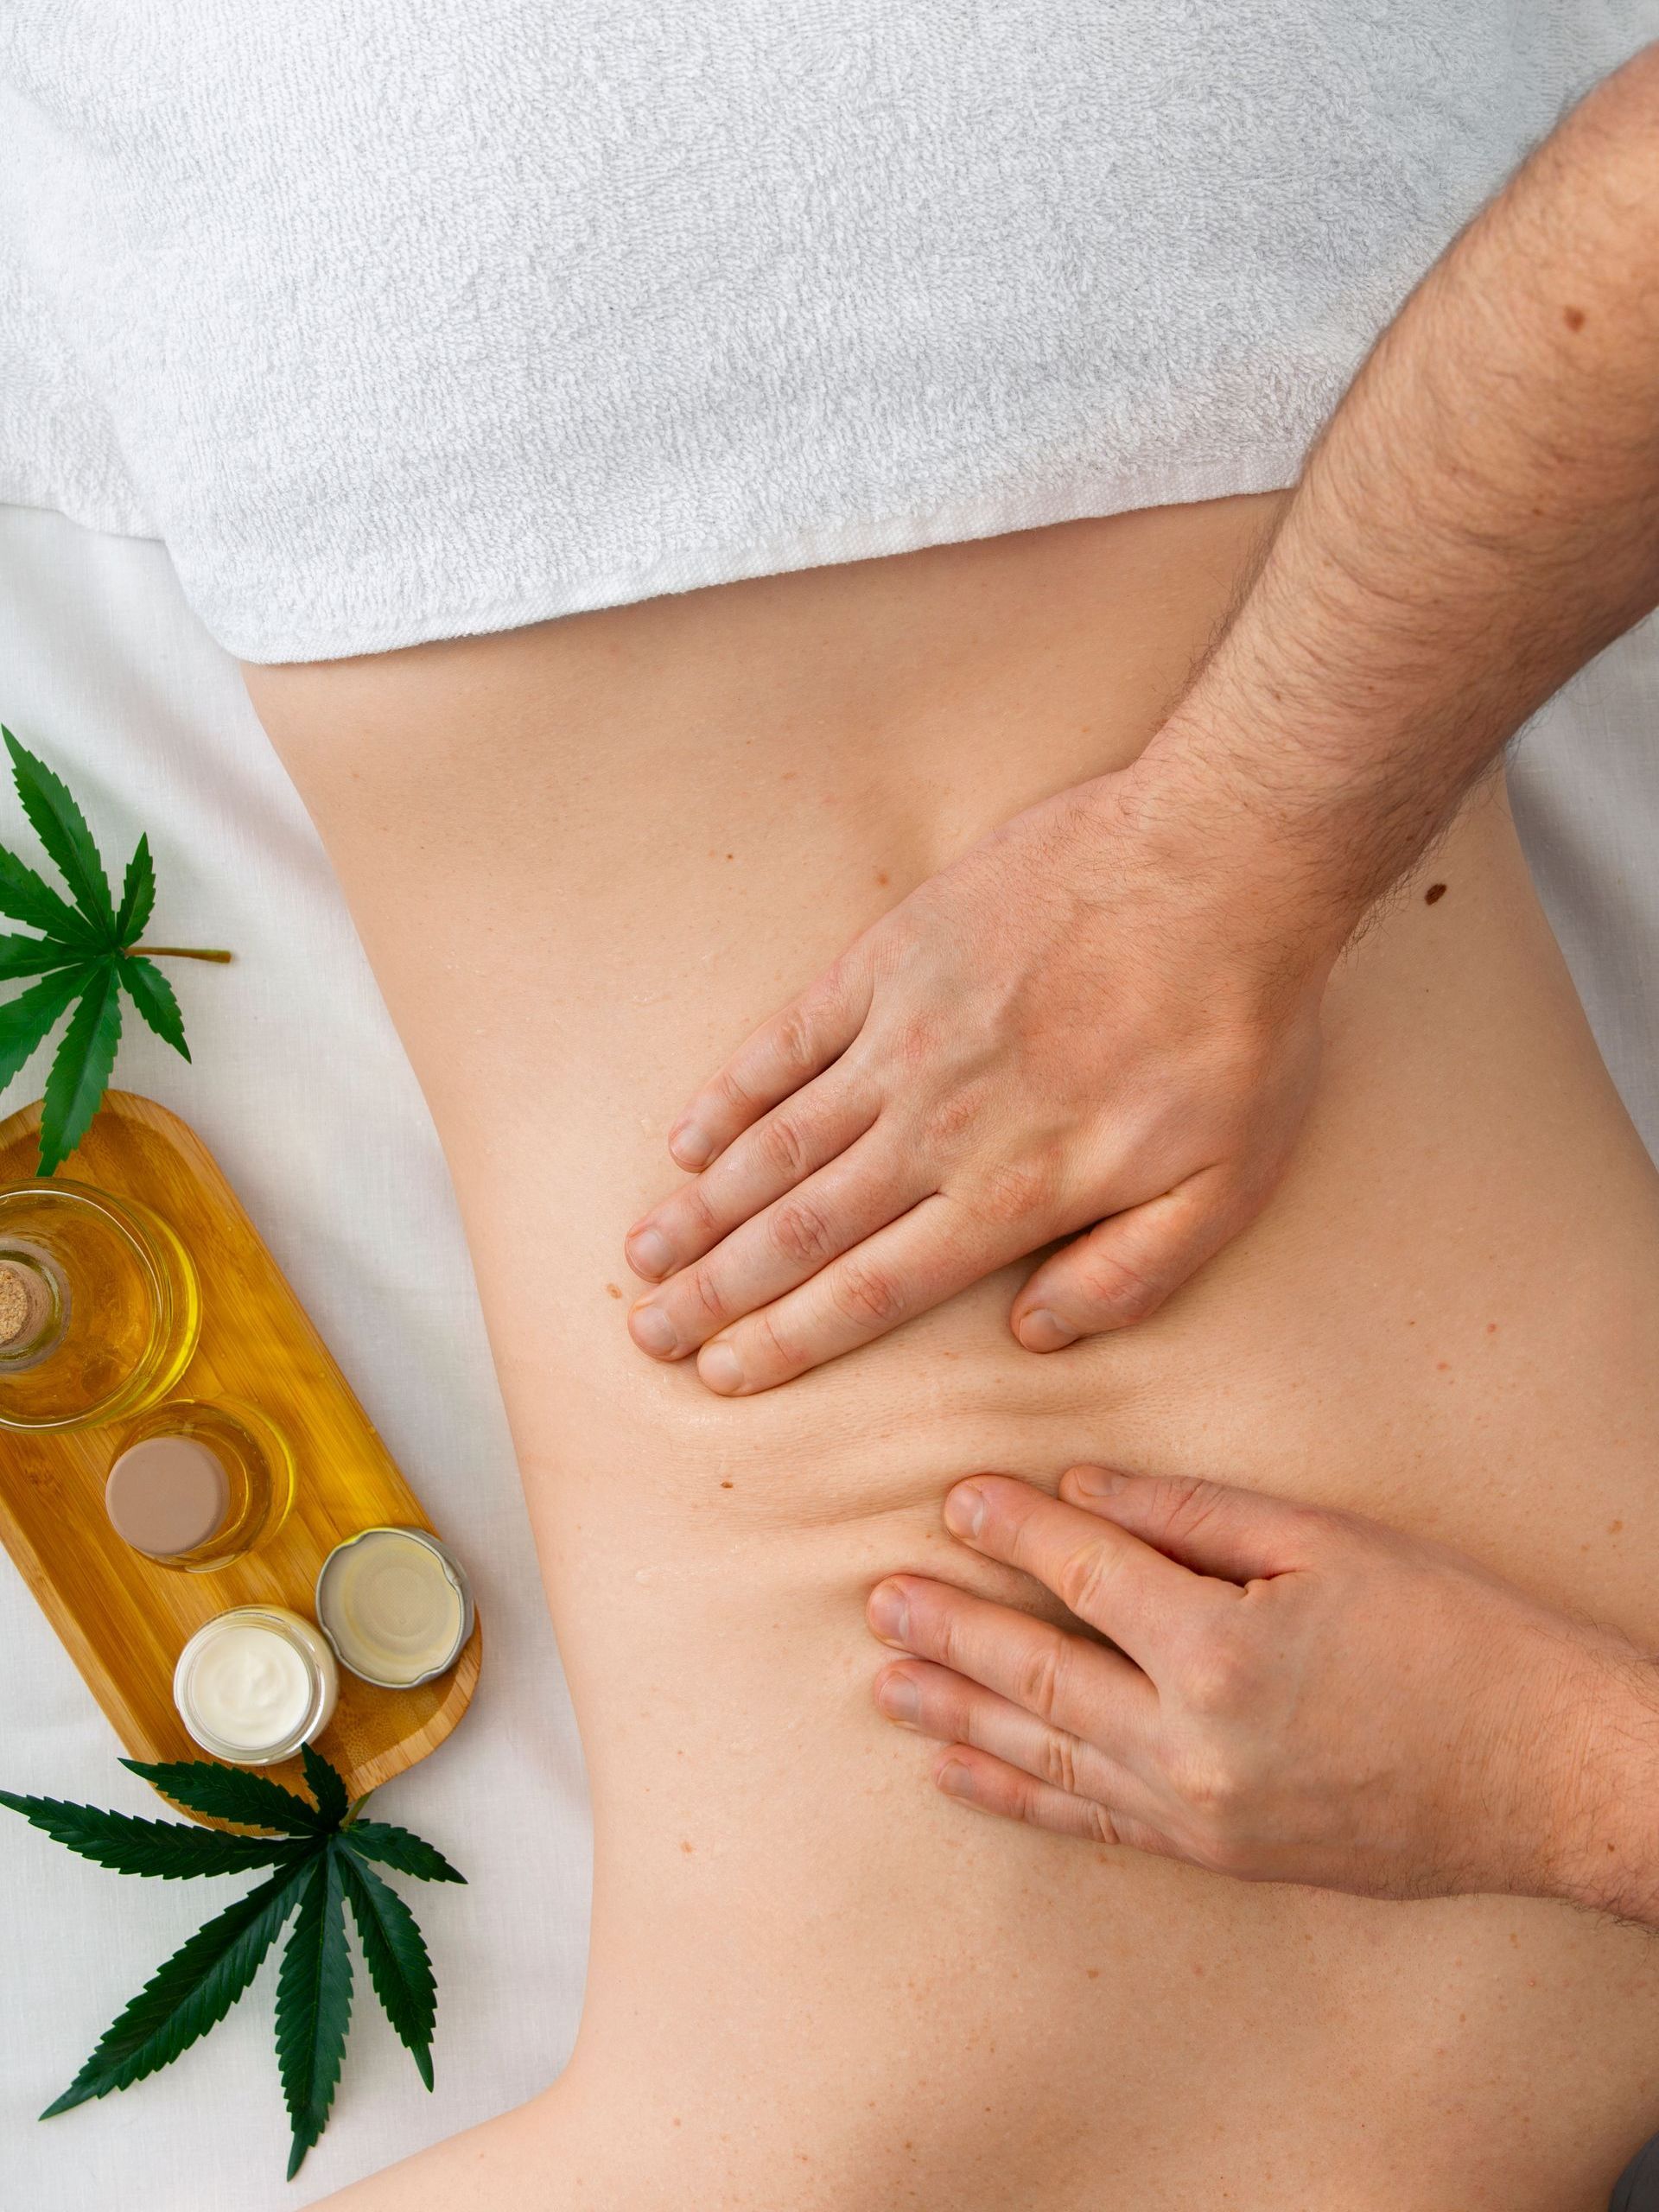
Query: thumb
(1212, 1527)
(1123, 1270)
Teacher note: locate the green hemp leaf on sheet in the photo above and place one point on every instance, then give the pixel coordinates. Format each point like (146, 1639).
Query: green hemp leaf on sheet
(324, 1857)
(86, 954)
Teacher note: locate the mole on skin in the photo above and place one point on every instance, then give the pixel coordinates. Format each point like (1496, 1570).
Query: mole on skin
(1435, 890)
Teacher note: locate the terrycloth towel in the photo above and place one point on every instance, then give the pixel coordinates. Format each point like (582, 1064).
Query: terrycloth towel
(396, 320)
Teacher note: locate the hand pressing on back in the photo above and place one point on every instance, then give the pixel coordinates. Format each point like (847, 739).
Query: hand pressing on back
(1289, 1694)
(1087, 1023)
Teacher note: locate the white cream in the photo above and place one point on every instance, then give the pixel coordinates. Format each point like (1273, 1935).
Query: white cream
(255, 1683)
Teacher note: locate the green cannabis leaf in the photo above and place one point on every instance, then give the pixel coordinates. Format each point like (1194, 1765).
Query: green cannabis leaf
(320, 1852)
(86, 954)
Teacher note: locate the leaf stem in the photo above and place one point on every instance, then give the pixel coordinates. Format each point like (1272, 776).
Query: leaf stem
(179, 952)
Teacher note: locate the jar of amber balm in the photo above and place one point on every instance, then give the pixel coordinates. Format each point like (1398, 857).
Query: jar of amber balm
(396, 1606)
(195, 1486)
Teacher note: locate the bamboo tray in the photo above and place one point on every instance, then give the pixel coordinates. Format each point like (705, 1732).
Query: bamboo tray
(123, 1619)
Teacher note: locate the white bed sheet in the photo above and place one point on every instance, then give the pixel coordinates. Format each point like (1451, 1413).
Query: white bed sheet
(301, 1088)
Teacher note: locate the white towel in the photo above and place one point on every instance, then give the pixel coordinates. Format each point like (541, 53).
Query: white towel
(397, 320)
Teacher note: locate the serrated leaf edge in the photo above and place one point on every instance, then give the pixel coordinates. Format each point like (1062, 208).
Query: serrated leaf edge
(121, 1841)
(381, 1842)
(137, 894)
(375, 1904)
(155, 998)
(200, 1786)
(82, 1068)
(316, 1972)
(54, 814)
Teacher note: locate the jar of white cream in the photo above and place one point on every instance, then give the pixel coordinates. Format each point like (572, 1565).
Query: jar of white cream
(254, 1684)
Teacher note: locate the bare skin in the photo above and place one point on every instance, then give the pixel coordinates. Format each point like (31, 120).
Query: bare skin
(586, 860)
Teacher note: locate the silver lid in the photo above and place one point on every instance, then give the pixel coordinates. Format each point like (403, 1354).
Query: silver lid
(339, 1636)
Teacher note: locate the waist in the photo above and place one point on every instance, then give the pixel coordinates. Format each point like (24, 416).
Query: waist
(581, 879)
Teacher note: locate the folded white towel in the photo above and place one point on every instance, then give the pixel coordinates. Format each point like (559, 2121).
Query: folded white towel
(397, 320)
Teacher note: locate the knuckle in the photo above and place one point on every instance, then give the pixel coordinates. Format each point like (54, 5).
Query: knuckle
(1040, 1675)
(801, 1232)
(1214, 1789)
(1085, 1580)
(1191, 1504)
(1118, 1285)
(730, 1095)
(1059, 1760)
(1014, 1191)
(938, 1633)
(1218, 1676)
(782, 1144)
(780, 1349)
(865, 1294)
(1101, 1827)
(949, 1117)
(701, 1286)
(693, 1207)
(1023, 1801)
(914, 1041)
(791, 1038)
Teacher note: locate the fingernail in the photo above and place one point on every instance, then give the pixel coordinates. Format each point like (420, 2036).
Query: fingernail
(956, 1781)
(649, 1253)
(890, 1613)
(690, 1146)
(965, 1510)
(719, 1367)
(1093, 1482)
(653, 1331)
(1041, 1331)
(900, 1700)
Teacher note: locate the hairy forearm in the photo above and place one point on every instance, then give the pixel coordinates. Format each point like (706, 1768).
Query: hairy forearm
(1479, 518)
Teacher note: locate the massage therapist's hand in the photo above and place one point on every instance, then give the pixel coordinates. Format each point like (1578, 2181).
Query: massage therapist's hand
(1295, 1695)
(1084, 1019)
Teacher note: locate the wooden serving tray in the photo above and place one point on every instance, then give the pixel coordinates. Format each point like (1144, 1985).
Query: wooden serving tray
(123, 1619)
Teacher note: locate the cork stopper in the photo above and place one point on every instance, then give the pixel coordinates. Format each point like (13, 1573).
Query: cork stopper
(25, 1305)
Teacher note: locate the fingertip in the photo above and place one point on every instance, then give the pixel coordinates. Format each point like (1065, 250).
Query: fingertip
(898, 1698)
(1042, 1330)
(1090, 1484)
(648, 1253)
(691, 1146)
(954, 1776)
(653, 1331)
(965, 1510)
(719, 1368)
(888, 1612)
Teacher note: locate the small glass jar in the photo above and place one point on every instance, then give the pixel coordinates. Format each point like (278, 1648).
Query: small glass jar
(255, 1683)
(240, 1453)
(99, 1308)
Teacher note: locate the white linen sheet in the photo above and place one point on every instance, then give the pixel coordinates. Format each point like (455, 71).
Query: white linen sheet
(301, 1088)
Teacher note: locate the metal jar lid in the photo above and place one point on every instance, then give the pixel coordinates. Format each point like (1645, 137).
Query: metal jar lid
(338, 1634)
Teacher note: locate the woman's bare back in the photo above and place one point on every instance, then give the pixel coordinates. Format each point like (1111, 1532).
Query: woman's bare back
(585, 859)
